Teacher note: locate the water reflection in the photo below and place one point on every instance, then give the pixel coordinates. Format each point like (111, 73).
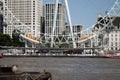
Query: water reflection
(70, 68)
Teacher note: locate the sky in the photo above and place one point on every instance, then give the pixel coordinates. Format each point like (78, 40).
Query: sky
(85, 11)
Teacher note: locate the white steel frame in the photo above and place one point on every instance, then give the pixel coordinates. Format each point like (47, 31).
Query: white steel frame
(113, 12)
(69, 19)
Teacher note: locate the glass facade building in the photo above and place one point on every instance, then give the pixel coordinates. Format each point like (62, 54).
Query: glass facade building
(49, 18)
(27, 15)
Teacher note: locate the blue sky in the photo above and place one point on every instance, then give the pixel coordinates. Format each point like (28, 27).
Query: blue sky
(85, 11)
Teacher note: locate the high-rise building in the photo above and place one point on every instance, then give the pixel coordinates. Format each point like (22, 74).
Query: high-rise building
(49, 18)
(77, 28)
(26, 12)
(1, 16)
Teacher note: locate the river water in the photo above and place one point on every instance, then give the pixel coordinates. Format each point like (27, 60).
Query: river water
(69, 68)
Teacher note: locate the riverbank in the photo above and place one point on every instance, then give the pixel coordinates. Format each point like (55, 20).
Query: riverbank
(53, 56)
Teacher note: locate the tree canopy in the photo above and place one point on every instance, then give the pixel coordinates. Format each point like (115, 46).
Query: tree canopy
(6, 40)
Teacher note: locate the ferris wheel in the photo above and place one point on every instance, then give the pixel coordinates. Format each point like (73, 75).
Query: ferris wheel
(56, 40)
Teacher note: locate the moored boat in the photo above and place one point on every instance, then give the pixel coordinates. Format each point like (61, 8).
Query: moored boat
(116, 55)
(12, 73)
(1, 56)
(112, 56)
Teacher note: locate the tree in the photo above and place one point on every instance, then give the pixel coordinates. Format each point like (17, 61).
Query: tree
(5, 40)
(16, 39)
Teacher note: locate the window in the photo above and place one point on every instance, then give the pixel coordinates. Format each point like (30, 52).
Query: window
(116, 39)
(111, 48)
(111, 39)
(33, 27)
(112, 35)
(111, 43)
(115, 43)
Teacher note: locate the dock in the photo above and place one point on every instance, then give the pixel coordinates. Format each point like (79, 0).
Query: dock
(8, 73)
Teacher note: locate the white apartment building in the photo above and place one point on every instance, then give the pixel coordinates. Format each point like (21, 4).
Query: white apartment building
(26, 15)
(110, 39)
(114, 39)
(49, 17)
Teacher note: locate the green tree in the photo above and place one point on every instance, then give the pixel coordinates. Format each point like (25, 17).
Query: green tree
(16, 39)
(5, 40)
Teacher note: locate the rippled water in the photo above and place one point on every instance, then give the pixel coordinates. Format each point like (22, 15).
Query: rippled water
(69, 68)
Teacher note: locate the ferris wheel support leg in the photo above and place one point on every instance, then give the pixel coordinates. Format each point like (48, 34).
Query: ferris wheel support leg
(54, 22)
(69, 19)
(26, 46)
(33, 46)
(91, 51)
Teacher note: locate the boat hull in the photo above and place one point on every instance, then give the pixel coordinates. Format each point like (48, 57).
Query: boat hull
(1, 57)
(112, 56)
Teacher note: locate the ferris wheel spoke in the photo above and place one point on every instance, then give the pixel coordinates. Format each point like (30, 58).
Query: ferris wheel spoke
(106, 21)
